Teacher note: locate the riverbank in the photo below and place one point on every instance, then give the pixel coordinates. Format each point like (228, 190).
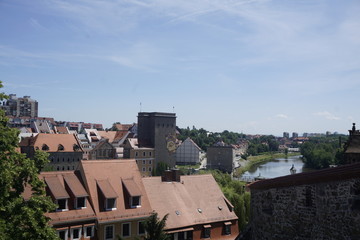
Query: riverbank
(251, 161)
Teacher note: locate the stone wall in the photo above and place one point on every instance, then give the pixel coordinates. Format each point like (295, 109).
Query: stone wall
(326, 210)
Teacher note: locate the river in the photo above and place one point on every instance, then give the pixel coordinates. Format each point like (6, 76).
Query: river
(274, 168)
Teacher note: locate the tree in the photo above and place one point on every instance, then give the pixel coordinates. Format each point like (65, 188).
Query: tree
(20, 218)
(154, 228)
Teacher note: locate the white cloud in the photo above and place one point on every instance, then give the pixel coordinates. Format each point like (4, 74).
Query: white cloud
(280, 115)
(327, 115)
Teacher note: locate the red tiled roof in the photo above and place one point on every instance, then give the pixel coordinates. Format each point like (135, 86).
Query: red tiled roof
(326, 175)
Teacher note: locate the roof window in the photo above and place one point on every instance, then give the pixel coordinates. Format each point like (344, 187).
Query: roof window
(61, 147)
(45, 147)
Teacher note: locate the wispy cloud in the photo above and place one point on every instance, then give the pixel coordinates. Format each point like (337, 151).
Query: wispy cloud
(281, 115)
(327, 115)
(35, 24)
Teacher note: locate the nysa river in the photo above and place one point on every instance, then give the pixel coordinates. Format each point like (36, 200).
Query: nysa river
(274, 168)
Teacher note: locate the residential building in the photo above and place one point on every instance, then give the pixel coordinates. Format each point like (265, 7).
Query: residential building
(118, 197)
(158, 130)
(324, 204)
(20, 107)
(93, 136)
(103, 150)
(286, 135)
(196, 206)
(188, 152)
(220, 157)
(41, 126)
(64, 150)
(295, 135)
(145, 157)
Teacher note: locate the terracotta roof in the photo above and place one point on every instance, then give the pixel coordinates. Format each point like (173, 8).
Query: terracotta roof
(106, 188)
(62, 130)
(120, 135)
(111, 173)
(326, 175)
(131, 187)
(108, 135)
(196, 199)
(52, 141)
(64, 184)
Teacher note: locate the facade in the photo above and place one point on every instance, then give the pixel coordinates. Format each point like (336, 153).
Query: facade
(221, 158)
(64, 150)
(295, 135)
(118, 197)
(41, 126)
(196, 206)
(103, 150)
(188, 153)
(145, 157)
(352, 147)
(313, 205)
(286, 135)
(20, 107)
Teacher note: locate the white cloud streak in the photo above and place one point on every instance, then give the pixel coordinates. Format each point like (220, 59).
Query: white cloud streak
(327, 115)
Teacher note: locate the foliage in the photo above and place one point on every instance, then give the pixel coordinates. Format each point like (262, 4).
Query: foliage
(20, 218)
(263, 144)
(322, 152)
(154, 227)
(204, 139)
(160, 169)
(234, 191)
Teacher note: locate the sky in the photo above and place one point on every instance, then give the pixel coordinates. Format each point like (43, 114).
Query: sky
(250, 66)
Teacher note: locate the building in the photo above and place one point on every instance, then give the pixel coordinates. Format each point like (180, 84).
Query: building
(145, 157)
(20, 107)
(103, 150)
(295, 135)
(220, 157)
(323, 204)
(196, 206)
(118, 197)
(41, 126)
(286, 135)
(65, 151)
(74, 218)
(352, 147)
(158, 130)
(188, 152)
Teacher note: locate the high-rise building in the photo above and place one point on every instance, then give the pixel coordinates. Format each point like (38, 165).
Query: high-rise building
(286, 135)
(158, 130)
(295, 135)
(20, 107)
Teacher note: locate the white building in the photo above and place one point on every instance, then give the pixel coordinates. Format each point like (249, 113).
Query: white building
(187, 153)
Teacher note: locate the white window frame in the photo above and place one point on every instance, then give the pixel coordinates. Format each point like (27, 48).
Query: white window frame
(113, 232)
(66, 233)
(92, 231)
(106, 204)
(72, 233)
(131, 201)
(66, 205)
(77, 205)
(122, 230)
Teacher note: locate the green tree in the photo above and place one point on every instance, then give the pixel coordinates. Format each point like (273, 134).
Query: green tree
(154, 228)
(20, 218)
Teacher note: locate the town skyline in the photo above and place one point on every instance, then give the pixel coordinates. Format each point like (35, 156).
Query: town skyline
(257, 67)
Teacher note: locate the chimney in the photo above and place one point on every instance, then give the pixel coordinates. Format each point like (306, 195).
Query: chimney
(171, 175)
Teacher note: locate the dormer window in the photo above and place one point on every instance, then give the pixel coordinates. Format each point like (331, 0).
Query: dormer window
(110, 204)
(135, 202)
(76, 148)
(45, 147)
(61, 147)
(80, 202)
(62, 205)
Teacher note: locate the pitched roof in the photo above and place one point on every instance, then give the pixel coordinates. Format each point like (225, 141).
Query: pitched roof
(353, 144)
(196, 199)
(110, 135)
(62, 130)
(108, 176)
(52, 141)
(326, 175)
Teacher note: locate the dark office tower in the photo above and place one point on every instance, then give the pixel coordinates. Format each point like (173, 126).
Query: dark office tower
(158, 130)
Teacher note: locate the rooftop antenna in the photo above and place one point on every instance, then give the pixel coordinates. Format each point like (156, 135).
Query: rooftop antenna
(140, 106)
(173, 109)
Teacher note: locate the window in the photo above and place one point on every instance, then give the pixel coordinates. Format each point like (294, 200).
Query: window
(62, 205)
(227, 229)
(207, 232)
(144, 169)
(126, 230)
(141, 229)
(150, 161)
(60, 147)
(45, 147)
(144, 154)
(150, 154)
(80, 202)
(150, 169)
(75, 233)
(144, 161)
(110, 204)
(109, 232)
(89, 231)
(135, 202)
(63, 234)
(136, 154)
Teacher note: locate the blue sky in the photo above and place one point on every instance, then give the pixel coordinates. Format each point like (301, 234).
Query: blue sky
(251, 66)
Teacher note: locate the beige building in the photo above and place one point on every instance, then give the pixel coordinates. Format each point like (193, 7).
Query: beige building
(145, 157)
